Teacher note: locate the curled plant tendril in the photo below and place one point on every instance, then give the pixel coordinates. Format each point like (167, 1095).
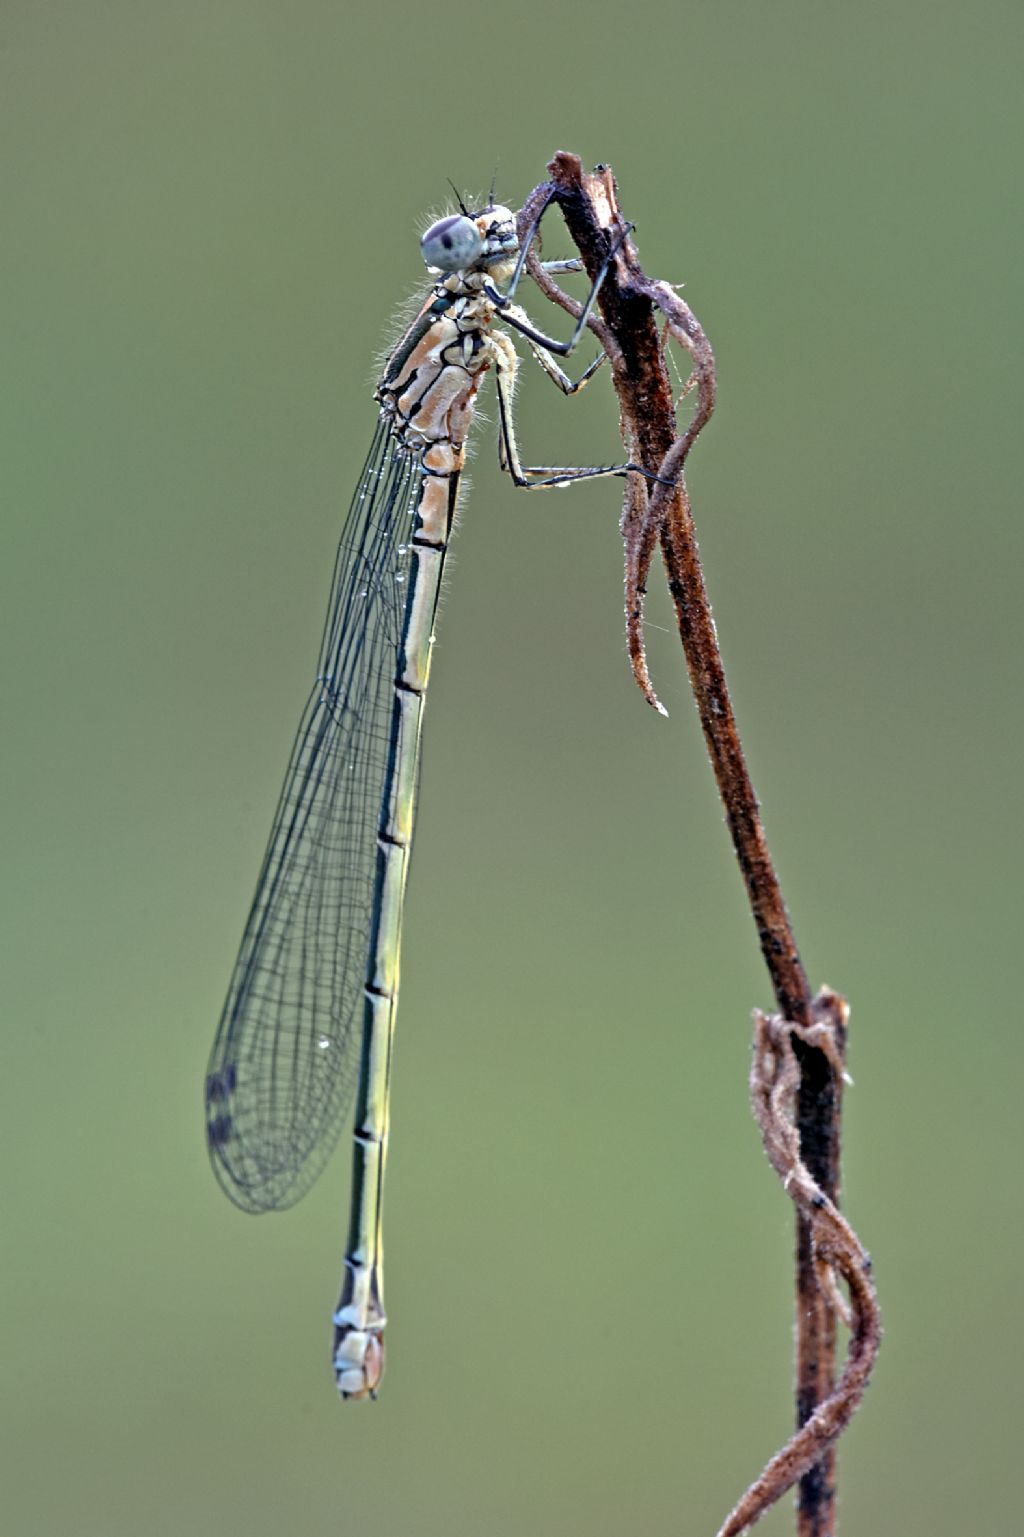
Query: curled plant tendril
(774, 1082)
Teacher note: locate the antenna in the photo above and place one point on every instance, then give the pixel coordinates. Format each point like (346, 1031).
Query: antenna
(458, 197)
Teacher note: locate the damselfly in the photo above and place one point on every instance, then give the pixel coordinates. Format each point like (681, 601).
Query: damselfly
(310, 1013)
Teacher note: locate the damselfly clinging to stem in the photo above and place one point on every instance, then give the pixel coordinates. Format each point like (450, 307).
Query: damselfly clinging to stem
(310, 1012)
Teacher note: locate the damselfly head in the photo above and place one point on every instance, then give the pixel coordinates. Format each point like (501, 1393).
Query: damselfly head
(452, 244)
(497, 225)
(462, 241)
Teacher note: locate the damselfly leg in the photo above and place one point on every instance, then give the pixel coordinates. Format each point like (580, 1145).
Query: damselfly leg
(539, 477)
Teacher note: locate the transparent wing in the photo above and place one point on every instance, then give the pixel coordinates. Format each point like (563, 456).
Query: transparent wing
(285, 1058)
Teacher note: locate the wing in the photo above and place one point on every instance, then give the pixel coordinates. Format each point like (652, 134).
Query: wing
(285, 1059)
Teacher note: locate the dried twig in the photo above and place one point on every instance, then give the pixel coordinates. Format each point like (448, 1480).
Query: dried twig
(835, 1249)
(628, 330)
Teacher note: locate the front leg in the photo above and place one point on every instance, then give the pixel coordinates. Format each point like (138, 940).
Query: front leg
(517, 318)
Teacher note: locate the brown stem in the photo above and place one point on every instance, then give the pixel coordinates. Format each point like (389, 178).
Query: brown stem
(775, 1078)
(627, 301)
(627, 328)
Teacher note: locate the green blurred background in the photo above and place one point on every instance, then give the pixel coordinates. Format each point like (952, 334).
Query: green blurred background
(209, 214)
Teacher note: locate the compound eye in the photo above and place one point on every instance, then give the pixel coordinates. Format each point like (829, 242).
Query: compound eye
(452, 243)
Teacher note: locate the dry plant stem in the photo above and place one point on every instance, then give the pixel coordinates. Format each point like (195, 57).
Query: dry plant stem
(774, 1086)
(627, 329)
